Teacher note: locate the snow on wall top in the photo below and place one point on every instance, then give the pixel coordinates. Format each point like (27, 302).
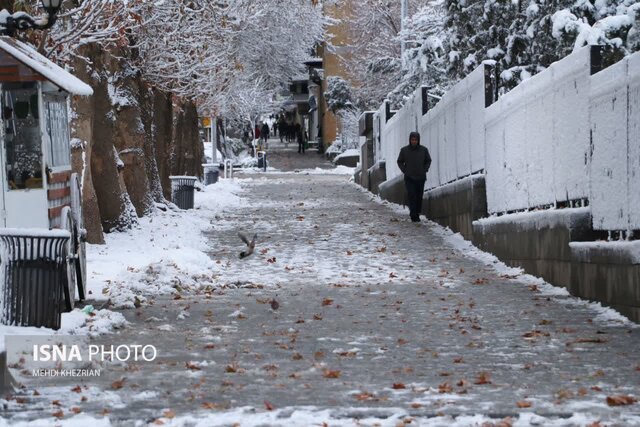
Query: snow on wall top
(540, 219)
(32, 59)
(33, 232)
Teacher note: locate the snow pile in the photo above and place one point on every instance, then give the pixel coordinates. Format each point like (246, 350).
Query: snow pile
(351, 152)
(164, 253)
(338, 170)
(77, 322)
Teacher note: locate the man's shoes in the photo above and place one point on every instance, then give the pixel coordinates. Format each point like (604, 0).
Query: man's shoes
(415, 219)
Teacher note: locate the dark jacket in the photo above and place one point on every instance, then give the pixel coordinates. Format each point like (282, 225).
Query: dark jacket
(414, 162)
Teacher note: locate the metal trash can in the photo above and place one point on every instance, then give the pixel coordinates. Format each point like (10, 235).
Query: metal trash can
(211, 173)
(262, 160)
(182, 191)
(34, 277)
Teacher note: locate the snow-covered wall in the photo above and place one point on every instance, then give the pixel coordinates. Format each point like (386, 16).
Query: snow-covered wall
(561, 136)
(537, 138)
(453, 131)
(395, 132)
(615, 161)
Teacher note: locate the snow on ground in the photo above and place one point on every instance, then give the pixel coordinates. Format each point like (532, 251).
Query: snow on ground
(344, 417)
(165, 253)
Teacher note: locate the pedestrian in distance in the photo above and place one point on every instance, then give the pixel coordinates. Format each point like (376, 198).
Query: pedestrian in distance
(414, 161)
(281, 128)
(264, 132)
(299, 137)
(275, 129)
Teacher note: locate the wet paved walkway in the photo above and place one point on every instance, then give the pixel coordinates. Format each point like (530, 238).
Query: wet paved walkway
(376, 315)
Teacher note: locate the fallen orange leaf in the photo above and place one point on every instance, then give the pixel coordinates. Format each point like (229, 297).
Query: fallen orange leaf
(620, 400)
(327, 373)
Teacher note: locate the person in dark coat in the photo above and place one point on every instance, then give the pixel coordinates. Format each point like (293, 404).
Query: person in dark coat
(282, 127)
(264, 132)
(300, 137)
(414, 161)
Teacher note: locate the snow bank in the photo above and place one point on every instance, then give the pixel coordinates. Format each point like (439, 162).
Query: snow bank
(351, 152)
(163, 254)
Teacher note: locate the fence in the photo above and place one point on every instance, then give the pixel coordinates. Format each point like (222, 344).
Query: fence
(615, 131)
(563, 137)
(537, 139)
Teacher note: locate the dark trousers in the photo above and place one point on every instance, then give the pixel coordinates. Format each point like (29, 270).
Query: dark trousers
(300, 147)
(415, 191)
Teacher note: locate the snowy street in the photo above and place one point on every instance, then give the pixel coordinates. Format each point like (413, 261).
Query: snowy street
(378, 319)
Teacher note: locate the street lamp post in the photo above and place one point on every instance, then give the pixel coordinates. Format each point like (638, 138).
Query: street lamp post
(10, 23)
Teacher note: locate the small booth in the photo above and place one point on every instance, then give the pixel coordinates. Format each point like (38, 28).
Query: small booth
(41, 197)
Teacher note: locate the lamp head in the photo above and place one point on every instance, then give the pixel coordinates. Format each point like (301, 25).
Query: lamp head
(51, 6)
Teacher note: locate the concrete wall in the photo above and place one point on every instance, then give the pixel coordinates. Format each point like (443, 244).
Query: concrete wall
(377, 175)
(458, 204)
(394, 190)
(558, 246)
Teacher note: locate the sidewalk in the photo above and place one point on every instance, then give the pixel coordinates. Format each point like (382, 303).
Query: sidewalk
(378, 319)
(285, 157)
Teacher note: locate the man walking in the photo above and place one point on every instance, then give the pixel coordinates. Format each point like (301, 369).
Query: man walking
(414, 161)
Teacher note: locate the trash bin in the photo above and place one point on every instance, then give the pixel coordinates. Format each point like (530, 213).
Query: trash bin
(34, 277)
(262, 160)
(211, 173)
(182, 191)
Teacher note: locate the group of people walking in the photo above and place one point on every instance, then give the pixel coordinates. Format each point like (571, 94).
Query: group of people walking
(288, 131)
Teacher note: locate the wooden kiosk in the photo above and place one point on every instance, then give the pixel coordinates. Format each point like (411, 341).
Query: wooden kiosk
(40, 194)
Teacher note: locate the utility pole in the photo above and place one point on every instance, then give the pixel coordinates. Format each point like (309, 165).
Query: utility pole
(214, 138)
(404, 11)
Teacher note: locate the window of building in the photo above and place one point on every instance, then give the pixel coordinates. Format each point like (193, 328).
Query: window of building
(57, 125)
(22, 135)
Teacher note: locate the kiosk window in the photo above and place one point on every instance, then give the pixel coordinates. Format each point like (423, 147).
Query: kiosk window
(22, 135)
(58, 129)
